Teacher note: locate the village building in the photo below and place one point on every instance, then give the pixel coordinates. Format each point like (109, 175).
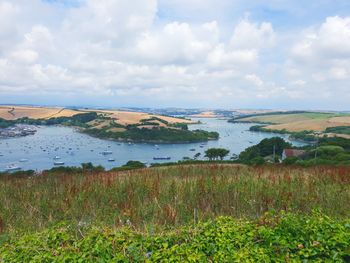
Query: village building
(292, 153)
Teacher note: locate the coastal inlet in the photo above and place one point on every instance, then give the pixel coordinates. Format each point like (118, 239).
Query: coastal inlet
(52, 146)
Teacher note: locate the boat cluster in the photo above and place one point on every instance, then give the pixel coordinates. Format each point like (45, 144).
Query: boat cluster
(17, 131)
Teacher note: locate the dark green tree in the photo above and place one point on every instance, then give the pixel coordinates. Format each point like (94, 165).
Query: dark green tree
(216, 153)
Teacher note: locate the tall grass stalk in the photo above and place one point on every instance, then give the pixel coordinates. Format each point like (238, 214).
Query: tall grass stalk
(170, 196)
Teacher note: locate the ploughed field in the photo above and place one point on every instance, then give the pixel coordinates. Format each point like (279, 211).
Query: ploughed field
(272, 213)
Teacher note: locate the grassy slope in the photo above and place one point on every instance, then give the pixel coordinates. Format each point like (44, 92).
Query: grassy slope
(168, 196)
(140, 215)
(105, 212)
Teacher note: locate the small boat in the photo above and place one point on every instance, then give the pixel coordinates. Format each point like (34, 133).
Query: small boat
(23, 160)
(12, 168)
(106, 152)
(111, 160)
(161, 158)
(57, 157)
(1, 155)
(192, 150)
(58, 163)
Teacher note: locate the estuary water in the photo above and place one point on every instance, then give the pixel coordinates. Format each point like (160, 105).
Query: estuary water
(38, 152)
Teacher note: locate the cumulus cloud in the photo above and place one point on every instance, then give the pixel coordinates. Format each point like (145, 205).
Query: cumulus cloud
(329, 41)
(324, 51)
(120, 51)
(249, 35)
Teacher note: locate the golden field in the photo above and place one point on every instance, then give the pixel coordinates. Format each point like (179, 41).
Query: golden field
(302, 121)
(131, 117)
(121, 117)
(205, 114)
(17, 112)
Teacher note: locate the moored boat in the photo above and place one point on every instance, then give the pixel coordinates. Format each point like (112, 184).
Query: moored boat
(161, 158)
(12, 168)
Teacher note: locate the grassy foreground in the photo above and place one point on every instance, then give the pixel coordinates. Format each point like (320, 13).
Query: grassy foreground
(139, 215)
(279, 238)
(170, 196)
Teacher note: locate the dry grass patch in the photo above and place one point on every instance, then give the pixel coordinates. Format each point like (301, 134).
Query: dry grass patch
(310, 121)
(130, 117)
(16, 112)
(309, 125)
(116, 129)
(205, 114)
(341, 120)
(278, 119)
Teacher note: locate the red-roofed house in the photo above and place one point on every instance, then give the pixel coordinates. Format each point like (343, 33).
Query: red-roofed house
(292, 153)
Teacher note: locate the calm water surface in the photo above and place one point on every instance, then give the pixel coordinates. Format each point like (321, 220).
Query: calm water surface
(75, 148)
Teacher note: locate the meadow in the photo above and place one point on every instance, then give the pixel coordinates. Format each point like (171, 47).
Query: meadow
(184, 213)
(167, 197)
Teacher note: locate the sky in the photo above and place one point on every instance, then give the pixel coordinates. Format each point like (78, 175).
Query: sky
(276, 54)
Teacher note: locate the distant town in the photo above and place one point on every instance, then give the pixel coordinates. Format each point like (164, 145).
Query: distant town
(17, 131)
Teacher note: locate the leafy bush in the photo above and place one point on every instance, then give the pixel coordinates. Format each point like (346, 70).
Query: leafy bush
(130, 165)
(5, 123)
(290, 160)
(272, 238)
(339, 129)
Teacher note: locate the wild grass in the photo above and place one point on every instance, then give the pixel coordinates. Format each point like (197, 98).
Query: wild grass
(167, 197)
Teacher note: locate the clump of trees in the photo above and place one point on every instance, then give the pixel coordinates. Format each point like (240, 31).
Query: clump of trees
(216, 153)
(157, 134)
(272, 146)
(6, 123)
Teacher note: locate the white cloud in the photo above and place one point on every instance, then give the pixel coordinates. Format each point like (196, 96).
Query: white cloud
(330, 41)
(249, 35)
(223, 57)
(116, 49)
(25, 56)
(254, 79)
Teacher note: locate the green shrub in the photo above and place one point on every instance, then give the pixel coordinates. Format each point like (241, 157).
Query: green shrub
(272, 238)
(290, 160)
